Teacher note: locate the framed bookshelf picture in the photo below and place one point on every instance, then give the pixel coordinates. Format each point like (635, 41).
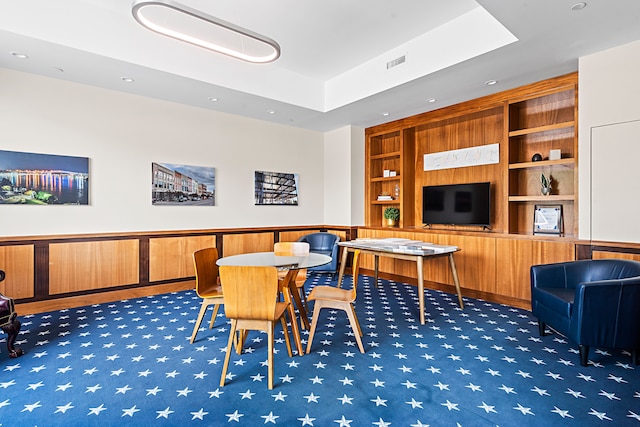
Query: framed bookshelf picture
(547, 219)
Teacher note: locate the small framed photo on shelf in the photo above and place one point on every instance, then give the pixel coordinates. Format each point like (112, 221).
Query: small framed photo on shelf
(547, 219)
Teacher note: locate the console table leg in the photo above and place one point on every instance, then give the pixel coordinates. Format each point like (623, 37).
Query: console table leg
(454, 271)
(12, 330)
(419, 263)
(343, 265)
(377, 263)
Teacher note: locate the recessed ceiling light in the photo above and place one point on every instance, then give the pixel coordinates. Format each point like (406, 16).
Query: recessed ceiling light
(490, 82)
(431, 100)
(19, 55)
(127, 79)
(60, 70)
(213, 99)
(579, 6)
(189, 25)
(271, 112)
(385, 114)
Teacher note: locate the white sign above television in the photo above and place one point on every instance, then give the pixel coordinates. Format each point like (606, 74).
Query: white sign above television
(472, 156)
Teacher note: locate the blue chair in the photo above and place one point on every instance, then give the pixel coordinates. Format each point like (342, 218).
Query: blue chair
(591, 302)
(326, 244)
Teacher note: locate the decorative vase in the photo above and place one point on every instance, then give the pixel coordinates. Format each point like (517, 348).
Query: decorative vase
(388, 222)
(546, 191)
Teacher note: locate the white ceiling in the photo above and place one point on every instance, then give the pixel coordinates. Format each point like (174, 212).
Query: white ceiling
(332, 71)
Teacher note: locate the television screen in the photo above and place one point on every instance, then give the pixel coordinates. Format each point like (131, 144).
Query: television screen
(457, 204)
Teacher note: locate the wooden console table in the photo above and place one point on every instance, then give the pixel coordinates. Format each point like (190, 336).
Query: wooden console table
(377, 252)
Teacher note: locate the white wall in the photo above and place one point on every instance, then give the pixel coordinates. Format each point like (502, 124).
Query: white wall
(123, 134)
(344, 176)
(608, 103)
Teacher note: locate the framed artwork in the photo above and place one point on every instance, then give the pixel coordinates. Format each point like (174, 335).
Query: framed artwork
(182, 185)
(275, 188)
(547, 219)
(43, 179)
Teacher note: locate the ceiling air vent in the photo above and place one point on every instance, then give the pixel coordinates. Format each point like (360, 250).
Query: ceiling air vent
(396, 62)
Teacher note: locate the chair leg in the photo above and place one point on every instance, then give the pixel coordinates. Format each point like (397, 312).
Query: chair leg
(314, 323)
(214, 315)
(270, 355)
(355, 326)
(584, 355)
(283, 322)
(225, 365)
(541, 328)
(203, 310)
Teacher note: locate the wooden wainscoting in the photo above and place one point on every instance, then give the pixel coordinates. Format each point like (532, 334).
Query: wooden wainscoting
(172, 257)
(235, 244)
(60, 271)
(618, 255)
(17, 261)
(82, 266)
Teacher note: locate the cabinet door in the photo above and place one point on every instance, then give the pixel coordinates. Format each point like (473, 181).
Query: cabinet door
(514, 259)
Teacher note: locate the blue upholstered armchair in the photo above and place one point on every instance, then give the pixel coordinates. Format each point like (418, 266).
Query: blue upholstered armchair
(326, 244)
(594, 303)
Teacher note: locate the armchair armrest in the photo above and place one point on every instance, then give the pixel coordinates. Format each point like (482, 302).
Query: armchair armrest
(605, 313)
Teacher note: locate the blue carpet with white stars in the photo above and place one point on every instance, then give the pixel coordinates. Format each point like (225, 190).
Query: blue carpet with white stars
(131, 362)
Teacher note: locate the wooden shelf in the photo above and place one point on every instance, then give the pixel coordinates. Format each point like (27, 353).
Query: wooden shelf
(384, 178)
(556, 126)
(386, 155)
(543, 163)
(385, 202)
(541, 198)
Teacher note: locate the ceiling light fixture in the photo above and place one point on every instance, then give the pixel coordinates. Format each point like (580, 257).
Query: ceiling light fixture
(579, 6)
(213, 99)
(431, 100)
(126, 79)
(19, 55)
(490, 82)
(189, 25)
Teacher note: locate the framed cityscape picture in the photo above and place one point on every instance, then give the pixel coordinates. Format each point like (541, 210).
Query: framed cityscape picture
(275, 188)
(182, 185)
(43, 179)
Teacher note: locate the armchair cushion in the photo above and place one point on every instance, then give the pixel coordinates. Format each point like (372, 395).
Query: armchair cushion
(326, 244)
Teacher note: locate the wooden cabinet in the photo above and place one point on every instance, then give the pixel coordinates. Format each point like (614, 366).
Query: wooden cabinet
(393, 152)
(538, 124)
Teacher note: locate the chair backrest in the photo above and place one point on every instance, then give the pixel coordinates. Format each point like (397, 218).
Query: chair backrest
(204, 261)
(291, 248)
(321, 241)
(249, 292)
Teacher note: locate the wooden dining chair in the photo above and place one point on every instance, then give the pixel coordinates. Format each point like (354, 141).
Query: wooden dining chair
(207, 285)
(294, 249)
(339, 299)
(251, 302)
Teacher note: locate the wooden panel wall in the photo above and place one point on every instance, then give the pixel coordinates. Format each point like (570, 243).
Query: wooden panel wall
(82, 266)
(293, 236)
(462, 131)
(171, 257)
(235, 244)
(619, 255)
(18, 264)
(515, 258)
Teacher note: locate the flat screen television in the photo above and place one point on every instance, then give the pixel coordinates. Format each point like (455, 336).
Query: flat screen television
(457, 204)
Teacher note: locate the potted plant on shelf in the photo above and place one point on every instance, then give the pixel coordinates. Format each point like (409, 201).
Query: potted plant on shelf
(391, 217)
(545, 184)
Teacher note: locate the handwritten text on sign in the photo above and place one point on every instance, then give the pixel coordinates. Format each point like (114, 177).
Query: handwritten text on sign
(473, 156)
